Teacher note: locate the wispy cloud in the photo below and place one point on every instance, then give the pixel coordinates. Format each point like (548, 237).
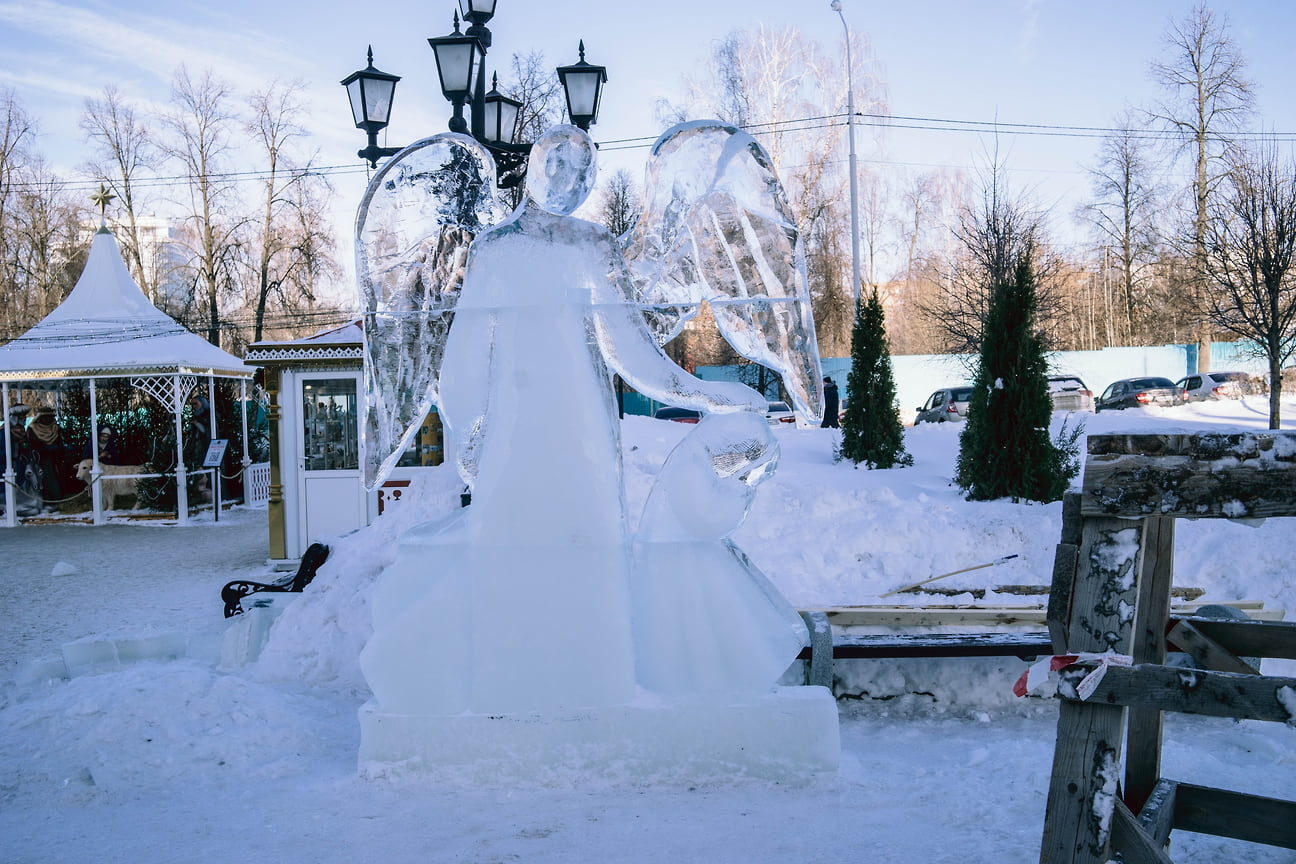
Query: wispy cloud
(1030, 26)
(145, 45)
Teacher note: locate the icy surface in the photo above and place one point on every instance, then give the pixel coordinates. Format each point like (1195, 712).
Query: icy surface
(418, 218)
(716, 226)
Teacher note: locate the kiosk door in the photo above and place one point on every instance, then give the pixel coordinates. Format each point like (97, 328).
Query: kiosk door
(332, 494)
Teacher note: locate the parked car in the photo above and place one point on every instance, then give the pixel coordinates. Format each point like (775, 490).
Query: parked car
(780, 412)
(679, 415)
(1137, 392)
(945, 405)
(1069, 393)
(1212, 385)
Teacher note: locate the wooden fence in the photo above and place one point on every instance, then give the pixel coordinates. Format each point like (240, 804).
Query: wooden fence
(1110, 604)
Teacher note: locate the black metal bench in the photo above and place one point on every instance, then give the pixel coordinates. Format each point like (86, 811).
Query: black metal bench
(234, 592)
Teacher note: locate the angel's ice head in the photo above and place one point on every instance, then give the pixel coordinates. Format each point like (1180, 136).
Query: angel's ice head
(561, 170)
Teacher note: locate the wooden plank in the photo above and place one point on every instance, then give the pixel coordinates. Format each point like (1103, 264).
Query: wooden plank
(1086, 771)
(1143, 725)
(930, 616)
(1058, 615)
(1131, 842)
(1234, 475)
(1208, 653)
(1258, 638)
(1221, 813)
(864, 646)
(1188, 691)
(999, 615)
(1157, 816)
(1106, 578)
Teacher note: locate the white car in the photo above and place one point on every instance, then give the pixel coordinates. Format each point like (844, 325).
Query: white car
(1212, 385)
(1069, 393)
(779, 413)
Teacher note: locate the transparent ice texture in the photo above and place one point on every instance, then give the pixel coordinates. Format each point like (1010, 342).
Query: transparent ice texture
(535, 598)
(716, 226)
(415, 225)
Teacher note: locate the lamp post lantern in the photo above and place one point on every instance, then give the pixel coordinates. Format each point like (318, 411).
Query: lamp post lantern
(370, 91)
(854, 189)
(458, 56)
(583, 84)
(461, 68)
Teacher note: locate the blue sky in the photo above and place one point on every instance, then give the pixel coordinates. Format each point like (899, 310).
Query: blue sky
(1020, 61)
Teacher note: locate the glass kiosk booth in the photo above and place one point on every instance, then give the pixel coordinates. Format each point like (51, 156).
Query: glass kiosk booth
(316, 393)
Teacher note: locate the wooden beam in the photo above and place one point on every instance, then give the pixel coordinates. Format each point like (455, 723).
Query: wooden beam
(1134, 846)
(1256, 638)
(1187, 691)
(1157, 816)
(1143, 725)
(1208, 653)
(1086, 773)
(1221, 813)
(1238, 475)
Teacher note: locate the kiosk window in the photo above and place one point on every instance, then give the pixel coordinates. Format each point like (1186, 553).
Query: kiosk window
(332, 443)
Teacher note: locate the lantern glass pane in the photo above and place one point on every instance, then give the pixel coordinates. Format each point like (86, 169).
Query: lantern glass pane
(467, 7)
(455, 64)
(508, 122)
(582, 93)
(491, 115)
(378, 99)
(357, 101)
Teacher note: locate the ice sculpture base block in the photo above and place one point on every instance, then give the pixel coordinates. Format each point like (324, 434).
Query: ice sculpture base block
(784, 734)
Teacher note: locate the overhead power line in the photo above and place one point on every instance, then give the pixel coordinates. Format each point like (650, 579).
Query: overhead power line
(790, 126)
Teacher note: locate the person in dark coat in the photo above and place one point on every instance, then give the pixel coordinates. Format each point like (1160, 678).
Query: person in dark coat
(831, 404)
(50, 450)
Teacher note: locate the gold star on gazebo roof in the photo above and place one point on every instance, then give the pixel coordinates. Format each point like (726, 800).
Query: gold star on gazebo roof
(102, 199)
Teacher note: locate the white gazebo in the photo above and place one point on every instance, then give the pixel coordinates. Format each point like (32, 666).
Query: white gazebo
(107, 328)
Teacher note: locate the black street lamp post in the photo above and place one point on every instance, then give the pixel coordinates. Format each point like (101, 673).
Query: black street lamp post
(461, 68)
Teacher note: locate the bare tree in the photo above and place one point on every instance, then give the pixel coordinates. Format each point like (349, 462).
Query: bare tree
(621, 203)
(124, 150)
(1208, 96)
(288, 250)
(1124, 214)
(775, 83)
(201, 123)
(41, 253)
(1250, 248)
(16, 135)
(995, 237)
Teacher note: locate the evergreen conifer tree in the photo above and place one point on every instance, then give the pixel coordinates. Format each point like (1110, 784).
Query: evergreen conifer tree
(1004, 447)
(871, 430)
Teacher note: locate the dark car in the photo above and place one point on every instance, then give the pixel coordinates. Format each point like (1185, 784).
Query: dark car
(1138, 393)
(679, 415)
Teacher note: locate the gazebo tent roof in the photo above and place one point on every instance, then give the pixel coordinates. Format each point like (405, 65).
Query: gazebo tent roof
(107, 327)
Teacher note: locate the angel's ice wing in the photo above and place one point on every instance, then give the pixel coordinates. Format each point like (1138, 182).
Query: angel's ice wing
(716, 225)
(418, 217)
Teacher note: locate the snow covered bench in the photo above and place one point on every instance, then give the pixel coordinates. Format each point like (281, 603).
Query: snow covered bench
(951, 631)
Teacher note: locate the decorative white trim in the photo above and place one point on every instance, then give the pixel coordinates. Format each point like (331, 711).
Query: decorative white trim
(282, 355)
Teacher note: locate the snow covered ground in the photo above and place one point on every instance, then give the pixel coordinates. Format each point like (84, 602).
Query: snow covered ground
(189, 760)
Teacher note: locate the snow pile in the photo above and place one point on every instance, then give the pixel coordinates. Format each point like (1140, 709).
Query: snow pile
(939, 761)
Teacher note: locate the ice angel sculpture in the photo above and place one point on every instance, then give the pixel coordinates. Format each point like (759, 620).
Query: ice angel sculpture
(715, 226)
(537, 598)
